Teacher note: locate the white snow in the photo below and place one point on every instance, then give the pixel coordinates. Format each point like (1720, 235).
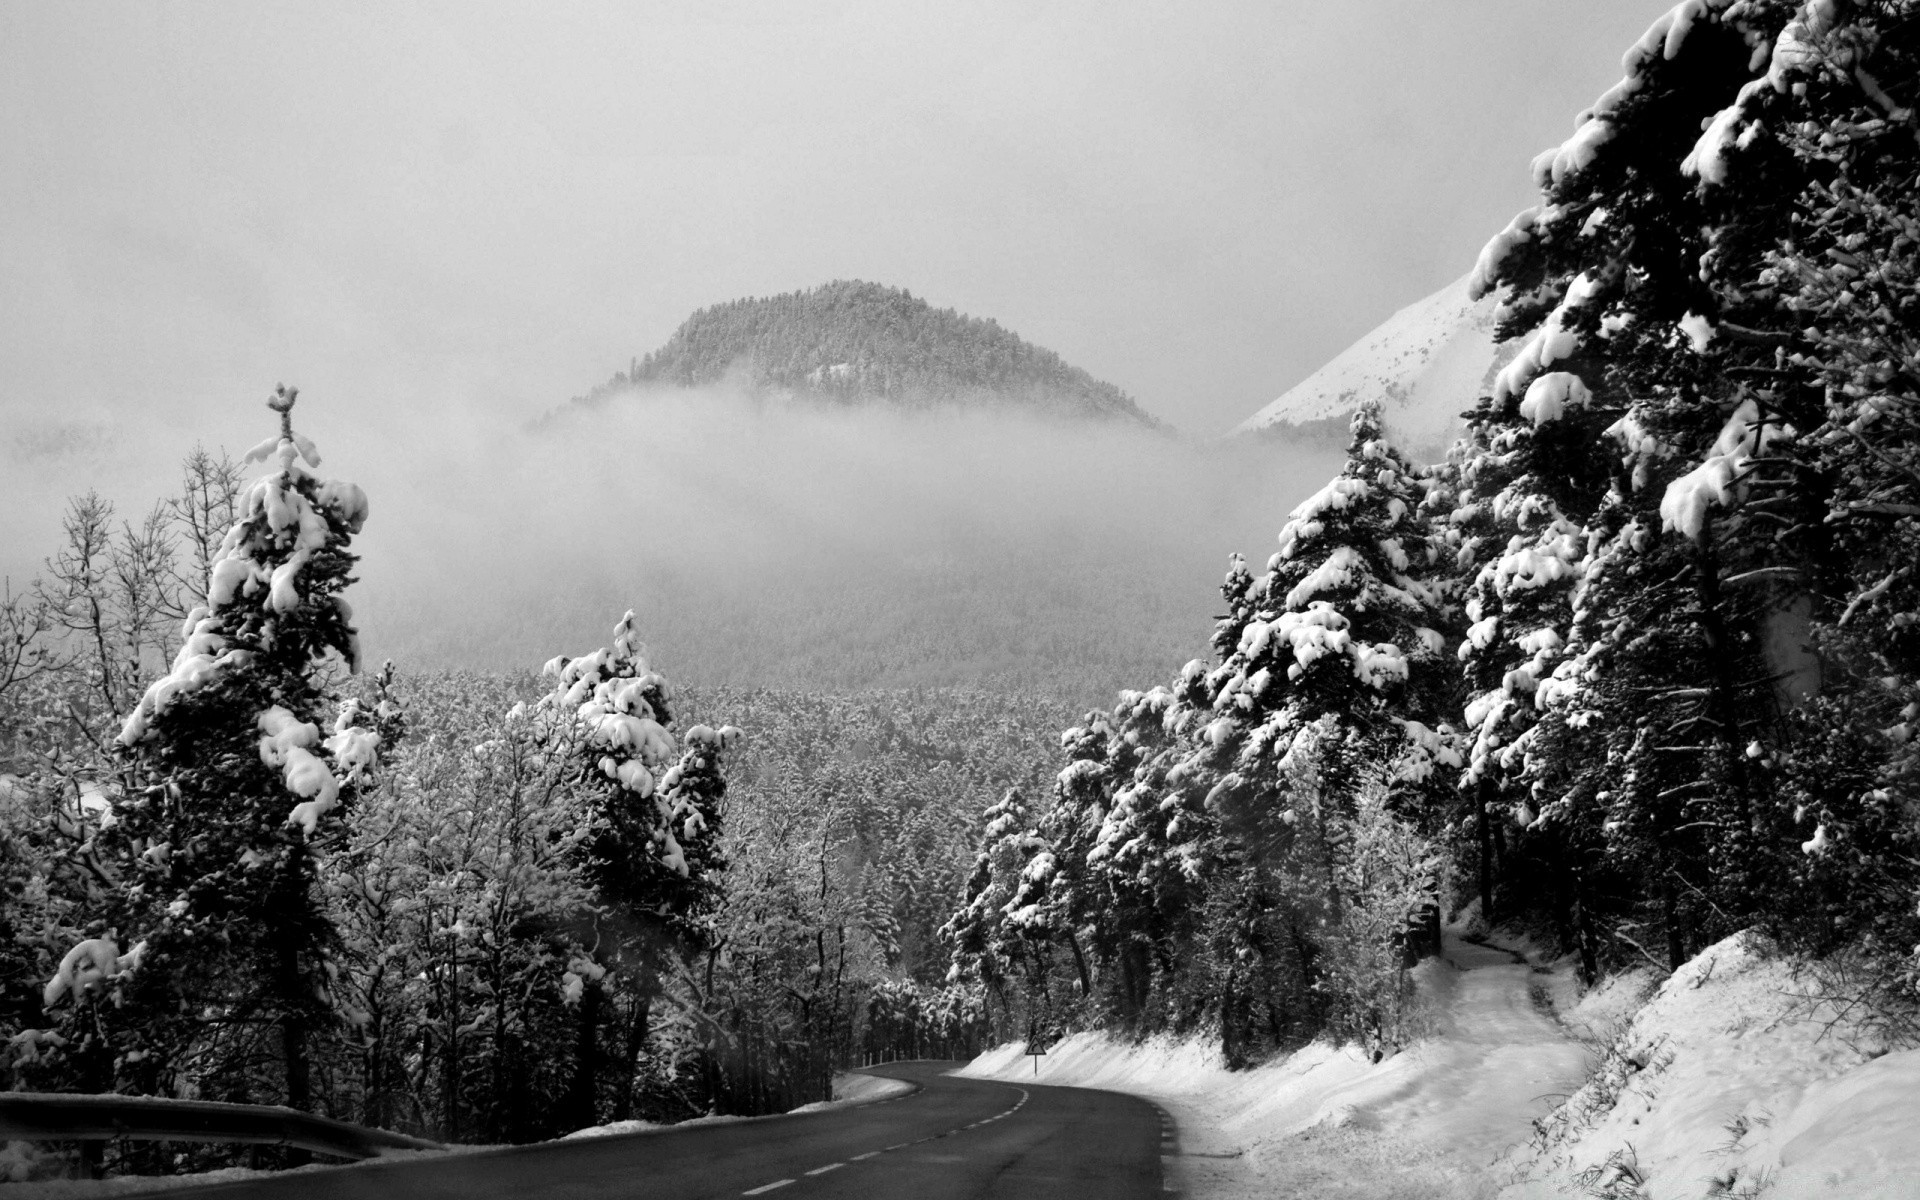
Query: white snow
(87, 966)
(1698, 330)
(1799, 44)
(1426, 363)
(1729, 127)
(1485, 275)
(287, 743)
(1549, 396)
(1554, 340)
(1716, 480)
(1733, 1080)
(1326, 1122)
(1577, 153)
(849, 1088)
(354, 749)
(1339, 570)
(1594, 128)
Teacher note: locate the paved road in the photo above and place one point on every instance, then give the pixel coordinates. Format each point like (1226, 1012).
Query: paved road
(951, 1139)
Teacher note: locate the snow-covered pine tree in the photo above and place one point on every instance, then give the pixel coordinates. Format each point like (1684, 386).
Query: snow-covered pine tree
(655, 808)
(1347, 624)
(1340, 657)
(1054, 897)
(1609, 667)
(224, 979)
(1831, 127)
(976, 933)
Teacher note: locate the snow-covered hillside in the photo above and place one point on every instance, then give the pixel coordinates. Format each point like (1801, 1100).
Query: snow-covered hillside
(1737, 1078)
(1428, 362)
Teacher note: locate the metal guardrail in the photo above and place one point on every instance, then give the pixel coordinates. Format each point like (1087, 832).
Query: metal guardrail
(61, 1117)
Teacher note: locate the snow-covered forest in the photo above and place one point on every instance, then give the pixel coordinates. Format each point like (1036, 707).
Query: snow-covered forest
(490, 907)
(1633, 670)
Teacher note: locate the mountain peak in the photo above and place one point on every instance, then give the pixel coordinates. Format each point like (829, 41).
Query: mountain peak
(852, 341)
(1426, 363)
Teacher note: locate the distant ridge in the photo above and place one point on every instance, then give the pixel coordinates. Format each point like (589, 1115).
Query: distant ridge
(1428, 362)
(855, 342)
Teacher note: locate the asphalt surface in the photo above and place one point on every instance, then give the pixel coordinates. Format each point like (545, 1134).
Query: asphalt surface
(951, 1139)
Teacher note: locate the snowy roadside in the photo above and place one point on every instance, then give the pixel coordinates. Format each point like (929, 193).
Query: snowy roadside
(1721, 1080)
(849, 1089)
(1731, 1082)
(1426, 1124)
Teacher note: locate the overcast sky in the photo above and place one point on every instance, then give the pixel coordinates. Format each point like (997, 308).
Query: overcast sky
(421, 210)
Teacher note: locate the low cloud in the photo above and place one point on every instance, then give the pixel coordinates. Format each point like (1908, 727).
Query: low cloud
(791, 545)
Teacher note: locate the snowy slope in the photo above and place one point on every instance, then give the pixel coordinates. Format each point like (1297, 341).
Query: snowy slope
(1729, 1078)
(1429, 361)
(1325, 1122)
(1734, 1081)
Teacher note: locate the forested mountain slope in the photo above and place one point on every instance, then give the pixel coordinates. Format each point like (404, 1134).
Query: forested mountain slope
(850, 341)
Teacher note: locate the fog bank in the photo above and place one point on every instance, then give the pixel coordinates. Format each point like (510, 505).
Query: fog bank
(765, 543)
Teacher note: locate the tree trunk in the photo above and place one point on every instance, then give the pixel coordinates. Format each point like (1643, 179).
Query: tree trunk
(293, 994)
(1483, 833)
(578, 1108)
(638, 1029)
(1670, 913)
(1080, 963)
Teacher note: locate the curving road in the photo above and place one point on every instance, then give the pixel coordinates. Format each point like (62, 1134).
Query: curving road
(951, 1139)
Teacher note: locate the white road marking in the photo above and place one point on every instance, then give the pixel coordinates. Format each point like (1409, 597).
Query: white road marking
(825, 1169)
(766, 1187)
(863, 1157)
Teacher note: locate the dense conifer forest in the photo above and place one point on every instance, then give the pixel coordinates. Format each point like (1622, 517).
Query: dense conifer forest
(850, 341)
(1632, 669)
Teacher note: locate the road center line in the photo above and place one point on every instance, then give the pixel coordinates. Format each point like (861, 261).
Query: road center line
(825, 1169)
(766, 1187)
(863, 1157)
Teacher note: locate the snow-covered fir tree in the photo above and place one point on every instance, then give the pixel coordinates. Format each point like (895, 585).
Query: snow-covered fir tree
(654, 807)
(1347, 624)
(976, 934)
(213, 941)
(1645, 726)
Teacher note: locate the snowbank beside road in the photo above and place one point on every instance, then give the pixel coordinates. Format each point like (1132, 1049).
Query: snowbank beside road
(1326, 1122)
(849, 1088)
(1722, 1080)
(856, 1088)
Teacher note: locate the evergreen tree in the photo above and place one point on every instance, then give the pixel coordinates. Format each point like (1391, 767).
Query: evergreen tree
(1347, 624)
(977, 932)
(231, 787)
(655, 811)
